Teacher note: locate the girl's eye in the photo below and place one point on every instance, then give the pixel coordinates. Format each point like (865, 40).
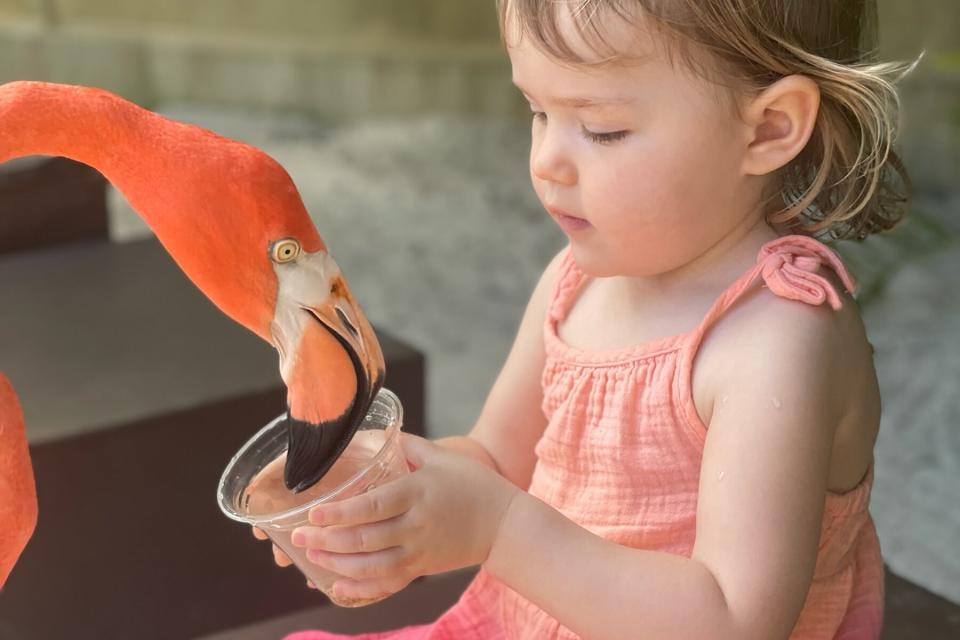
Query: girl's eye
(598, 138)
(604, 138)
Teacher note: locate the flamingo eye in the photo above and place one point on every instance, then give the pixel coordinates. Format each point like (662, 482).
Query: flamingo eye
(285, 250)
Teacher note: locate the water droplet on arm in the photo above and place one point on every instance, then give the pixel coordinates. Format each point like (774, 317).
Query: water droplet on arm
(776, 403)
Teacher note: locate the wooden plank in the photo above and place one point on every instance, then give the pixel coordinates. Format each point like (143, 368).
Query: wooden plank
(50, 202)
(130, 541)
(421, 602)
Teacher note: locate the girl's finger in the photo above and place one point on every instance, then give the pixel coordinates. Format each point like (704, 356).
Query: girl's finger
(382, 503)
(363, 538)
(417, 449)
(280, 557)
(362, 566)
(258, 534)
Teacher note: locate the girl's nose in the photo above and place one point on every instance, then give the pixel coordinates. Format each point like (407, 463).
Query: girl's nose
(550, 160)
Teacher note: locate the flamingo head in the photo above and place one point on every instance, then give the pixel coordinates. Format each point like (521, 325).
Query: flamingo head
(254, 252)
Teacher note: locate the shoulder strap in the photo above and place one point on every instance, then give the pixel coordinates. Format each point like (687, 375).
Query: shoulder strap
(569, 277)
(788, 267)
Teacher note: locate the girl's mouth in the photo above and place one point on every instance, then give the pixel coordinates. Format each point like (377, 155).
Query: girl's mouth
(567, 222)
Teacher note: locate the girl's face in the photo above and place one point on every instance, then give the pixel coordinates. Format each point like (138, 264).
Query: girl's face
(640, 164)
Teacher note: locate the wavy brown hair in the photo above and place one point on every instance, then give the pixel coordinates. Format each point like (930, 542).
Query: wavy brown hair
(848, 182)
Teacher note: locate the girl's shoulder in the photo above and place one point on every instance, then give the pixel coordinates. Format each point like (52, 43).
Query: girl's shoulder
(817, 346)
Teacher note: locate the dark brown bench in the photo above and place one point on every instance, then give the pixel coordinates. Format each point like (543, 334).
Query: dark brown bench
(50, 201)
(136, 392)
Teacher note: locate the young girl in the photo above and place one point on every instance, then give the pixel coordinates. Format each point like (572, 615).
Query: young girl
(680, 442)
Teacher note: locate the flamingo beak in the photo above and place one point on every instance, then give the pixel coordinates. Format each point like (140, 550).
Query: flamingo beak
(340, 372)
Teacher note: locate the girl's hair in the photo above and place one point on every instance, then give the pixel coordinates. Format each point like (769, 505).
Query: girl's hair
(848, 182)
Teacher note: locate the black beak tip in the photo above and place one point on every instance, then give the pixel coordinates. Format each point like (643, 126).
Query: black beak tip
(298, 480)
(312, 450)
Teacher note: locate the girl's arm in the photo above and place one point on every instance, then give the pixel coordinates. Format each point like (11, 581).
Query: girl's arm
(762, 488)
(512, 421)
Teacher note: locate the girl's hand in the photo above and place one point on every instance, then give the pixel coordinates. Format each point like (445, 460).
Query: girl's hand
(444, 515)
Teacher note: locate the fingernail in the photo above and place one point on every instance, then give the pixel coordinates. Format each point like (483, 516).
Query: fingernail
(299, 538)
(316, 516)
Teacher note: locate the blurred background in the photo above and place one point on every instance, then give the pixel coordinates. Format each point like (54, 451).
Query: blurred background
(408, 143)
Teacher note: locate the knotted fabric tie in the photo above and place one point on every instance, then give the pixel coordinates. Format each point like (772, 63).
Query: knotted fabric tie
(789, 267)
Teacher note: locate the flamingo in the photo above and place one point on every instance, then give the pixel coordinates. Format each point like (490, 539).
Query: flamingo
(233, 221)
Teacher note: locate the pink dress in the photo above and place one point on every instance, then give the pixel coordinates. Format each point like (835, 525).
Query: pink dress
(623, 435)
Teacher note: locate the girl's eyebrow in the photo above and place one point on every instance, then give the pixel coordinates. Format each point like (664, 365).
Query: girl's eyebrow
(582, 102)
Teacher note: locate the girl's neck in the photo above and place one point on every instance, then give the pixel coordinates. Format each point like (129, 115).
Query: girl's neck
(711, 271)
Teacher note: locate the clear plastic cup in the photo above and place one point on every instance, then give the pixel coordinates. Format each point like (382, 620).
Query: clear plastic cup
(252, 490)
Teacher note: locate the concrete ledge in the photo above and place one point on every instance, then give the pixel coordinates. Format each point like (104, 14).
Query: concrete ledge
(306, 20)
(340, 78)
(21, 50)
(19, 9)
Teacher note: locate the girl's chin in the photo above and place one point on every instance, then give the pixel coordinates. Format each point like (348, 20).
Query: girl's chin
(592, 261)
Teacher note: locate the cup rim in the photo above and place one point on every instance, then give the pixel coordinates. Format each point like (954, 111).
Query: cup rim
(226, 502)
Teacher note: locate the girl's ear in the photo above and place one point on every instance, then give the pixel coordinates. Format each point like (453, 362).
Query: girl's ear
(780, 120)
